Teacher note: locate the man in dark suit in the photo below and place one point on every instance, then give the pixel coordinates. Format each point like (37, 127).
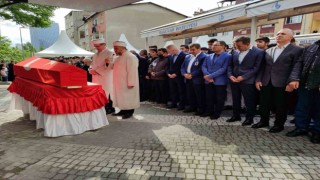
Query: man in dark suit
(176, 81)
(143, 70)
(272, 80)
(242, 72)
(191, 70)
(215, 74)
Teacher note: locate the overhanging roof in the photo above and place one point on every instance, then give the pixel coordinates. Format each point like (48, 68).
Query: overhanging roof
(271, 6)
(237, 17)
(220, 15)
(86, 5)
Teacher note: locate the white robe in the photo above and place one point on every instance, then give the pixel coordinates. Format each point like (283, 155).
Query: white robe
(125, 73)
(105, 74)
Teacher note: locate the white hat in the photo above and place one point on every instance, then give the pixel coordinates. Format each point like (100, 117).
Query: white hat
(98, 41)
(87, 58)
(119, 43)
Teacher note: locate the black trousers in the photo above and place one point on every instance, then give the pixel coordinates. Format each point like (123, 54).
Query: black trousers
(215, 98)
(161, 91)
(276, 97)
(248, 91)
(109, 105)
(195, 95)
(143, 88)
(177, 91)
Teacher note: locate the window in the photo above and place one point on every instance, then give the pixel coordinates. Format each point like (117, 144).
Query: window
(101, 35)
(95, 21)
(82, 34)
(86, 30)
(293, 19)
(267, 25)
(225, 33)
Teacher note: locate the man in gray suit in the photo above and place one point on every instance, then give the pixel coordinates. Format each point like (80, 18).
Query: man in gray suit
(272, 80)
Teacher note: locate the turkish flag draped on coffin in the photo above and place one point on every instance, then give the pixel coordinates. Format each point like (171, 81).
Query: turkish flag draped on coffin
(50, 72)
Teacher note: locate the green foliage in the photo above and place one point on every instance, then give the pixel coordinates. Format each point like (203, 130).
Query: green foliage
(28, 14)
(7, 52)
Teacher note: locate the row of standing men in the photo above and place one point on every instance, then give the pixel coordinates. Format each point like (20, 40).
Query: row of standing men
(198, 81)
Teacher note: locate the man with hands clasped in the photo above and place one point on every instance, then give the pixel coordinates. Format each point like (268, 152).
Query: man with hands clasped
(273, 79)
(242, 72)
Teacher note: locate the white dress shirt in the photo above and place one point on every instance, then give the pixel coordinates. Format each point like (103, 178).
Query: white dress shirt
(243, 54)
(278, 51)
(193, 58)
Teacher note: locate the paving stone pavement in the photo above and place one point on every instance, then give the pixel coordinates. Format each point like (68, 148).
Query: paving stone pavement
(156, 144)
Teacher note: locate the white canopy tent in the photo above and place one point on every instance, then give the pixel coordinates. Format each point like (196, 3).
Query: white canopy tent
(129, 46)
(63, 47)
(86, 5)
(202, 40)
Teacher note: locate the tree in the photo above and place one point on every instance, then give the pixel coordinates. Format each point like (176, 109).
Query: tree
(29, 49)
(7, 52)
(26, 14)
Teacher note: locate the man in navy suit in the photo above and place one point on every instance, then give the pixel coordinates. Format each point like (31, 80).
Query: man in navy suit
(191, 70)
(214, 69)
(176, 80)
(242, 72)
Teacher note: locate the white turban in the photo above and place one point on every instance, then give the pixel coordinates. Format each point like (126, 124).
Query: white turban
(119, 43)
(98, 41)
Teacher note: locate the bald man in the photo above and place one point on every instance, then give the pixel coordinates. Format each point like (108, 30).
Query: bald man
(273, 80)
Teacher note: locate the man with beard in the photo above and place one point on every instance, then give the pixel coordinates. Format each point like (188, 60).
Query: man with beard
(125, 80)
(101, 73)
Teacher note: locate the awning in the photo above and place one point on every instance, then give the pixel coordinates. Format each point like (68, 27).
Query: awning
(220, 15)
(271, 6)
(86, 5)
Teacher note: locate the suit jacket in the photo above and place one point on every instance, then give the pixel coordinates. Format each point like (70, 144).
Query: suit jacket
(160, 69)
(143, 66)
(174, 67)
(249, 66)
(196, 72)
(278, 72)
(216, 68)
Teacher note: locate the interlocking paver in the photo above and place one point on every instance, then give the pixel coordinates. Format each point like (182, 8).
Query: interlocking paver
(164, 144)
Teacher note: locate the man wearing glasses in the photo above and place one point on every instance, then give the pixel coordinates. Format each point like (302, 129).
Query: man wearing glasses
(101, 72)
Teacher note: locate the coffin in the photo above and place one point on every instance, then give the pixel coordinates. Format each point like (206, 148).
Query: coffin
(51, 72)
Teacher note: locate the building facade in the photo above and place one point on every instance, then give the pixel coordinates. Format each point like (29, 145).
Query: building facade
(129, 20)
(72, 22)
(42, 38)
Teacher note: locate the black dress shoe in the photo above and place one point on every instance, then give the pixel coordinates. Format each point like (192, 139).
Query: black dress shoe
(198, 113)
(260, 125)
(111, 110)
(276, 129)
(120, 113)
(247, 122)
(297, 132)
(215, 116)
(315, 138)
(234, 119)
(171, 106)
(189, 110)
(126, 116)
(205, 115)
(180, 108)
